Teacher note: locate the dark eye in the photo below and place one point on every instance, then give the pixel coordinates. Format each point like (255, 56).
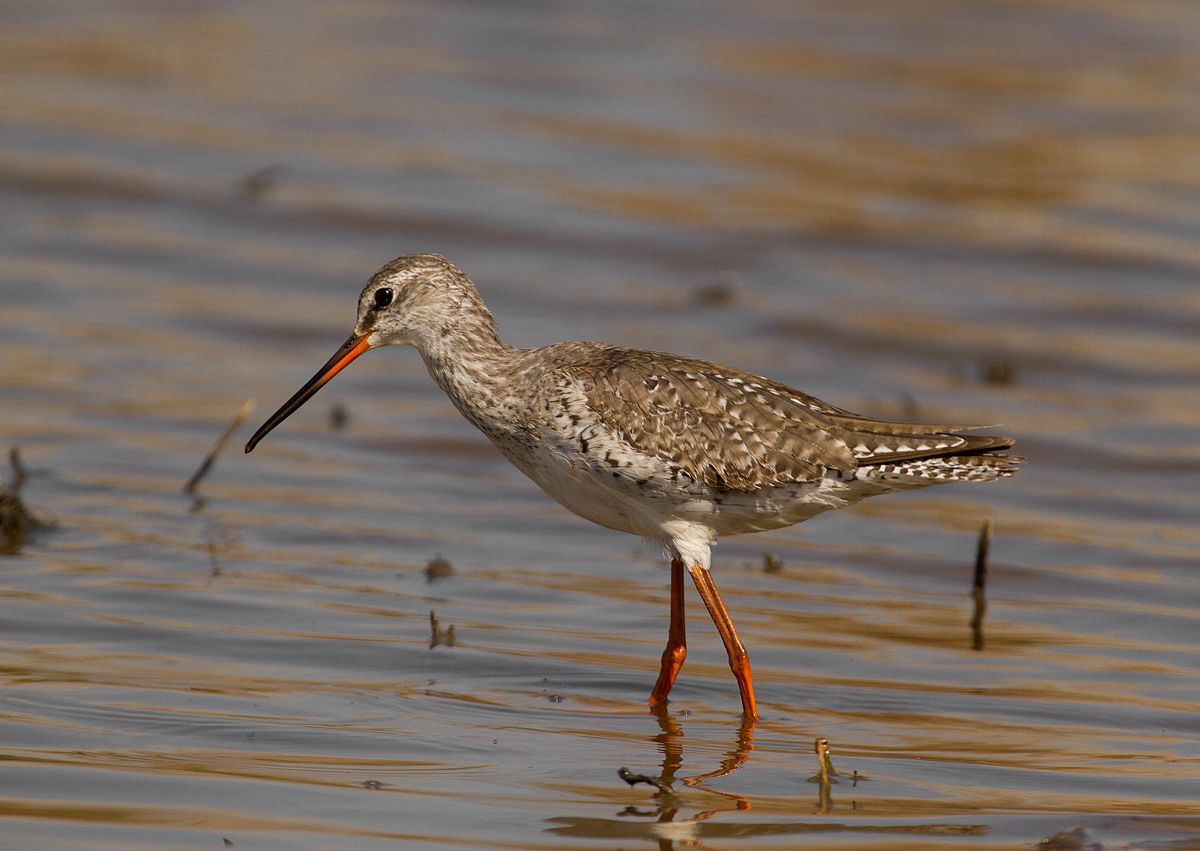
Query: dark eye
(383, 297)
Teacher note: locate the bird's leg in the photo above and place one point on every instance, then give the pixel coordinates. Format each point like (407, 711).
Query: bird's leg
(739, 659)
(676, 651)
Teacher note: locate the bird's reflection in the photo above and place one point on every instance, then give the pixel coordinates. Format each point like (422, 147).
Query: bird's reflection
(664, 806)
(670, 739)
(669, 827)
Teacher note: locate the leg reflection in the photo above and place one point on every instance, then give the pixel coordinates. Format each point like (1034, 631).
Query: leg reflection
(670, 740)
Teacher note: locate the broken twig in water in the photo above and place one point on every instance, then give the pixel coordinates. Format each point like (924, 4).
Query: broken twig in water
(981, 555)
(825, 770)
(979, 584)
(824, 778)
(437, 634)
(16, 521)
(821, 746)
(633, 779)
(18, 468)
(206, 464)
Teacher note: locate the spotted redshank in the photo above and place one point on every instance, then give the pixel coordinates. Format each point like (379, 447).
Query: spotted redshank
(677, 450)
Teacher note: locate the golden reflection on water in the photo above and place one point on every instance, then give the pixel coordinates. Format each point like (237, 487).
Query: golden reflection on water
(671, 816)
(672, 819)
(1004, 194)
(901, 196)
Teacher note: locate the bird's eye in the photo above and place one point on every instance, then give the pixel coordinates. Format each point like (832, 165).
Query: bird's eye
(383, 297)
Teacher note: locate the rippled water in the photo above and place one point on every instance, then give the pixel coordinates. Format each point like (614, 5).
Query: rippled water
(978, 211)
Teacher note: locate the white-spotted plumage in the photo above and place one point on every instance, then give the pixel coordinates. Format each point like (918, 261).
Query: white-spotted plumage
(677, 450)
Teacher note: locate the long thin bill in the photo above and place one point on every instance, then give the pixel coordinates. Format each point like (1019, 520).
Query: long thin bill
(350, 350)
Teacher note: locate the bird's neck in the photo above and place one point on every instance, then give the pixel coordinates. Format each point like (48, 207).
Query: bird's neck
(474, 368)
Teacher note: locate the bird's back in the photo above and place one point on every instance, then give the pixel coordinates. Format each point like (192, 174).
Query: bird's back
(733, 430)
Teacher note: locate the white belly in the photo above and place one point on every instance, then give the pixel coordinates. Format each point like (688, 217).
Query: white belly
(642, 497)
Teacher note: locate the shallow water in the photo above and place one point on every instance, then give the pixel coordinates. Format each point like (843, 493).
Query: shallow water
(881, 206)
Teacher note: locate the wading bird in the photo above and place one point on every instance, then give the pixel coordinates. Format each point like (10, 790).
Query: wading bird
(677, 450)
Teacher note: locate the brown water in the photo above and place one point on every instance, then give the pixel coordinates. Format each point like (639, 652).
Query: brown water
(887, 201)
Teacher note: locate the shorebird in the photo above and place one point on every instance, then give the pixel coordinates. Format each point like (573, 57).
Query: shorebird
(677, 450)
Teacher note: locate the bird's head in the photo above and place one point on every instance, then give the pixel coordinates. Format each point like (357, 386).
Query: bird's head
(416, 300)
(413, 300)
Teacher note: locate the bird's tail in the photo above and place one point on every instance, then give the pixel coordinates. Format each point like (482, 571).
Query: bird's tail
(983, 467)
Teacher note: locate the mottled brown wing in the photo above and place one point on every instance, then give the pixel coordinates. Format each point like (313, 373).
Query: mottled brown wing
(720, 426)
(734, 430)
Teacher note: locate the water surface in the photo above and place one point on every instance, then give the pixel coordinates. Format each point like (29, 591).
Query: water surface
(972, 211)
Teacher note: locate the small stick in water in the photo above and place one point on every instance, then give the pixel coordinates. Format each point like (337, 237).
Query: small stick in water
(19, 471)
(824, 778)
(633, 779)
(981, 555)
(17, 523)
(439, 636)
(825, 770)
(206, 465)
(821, 746)
(979, 585)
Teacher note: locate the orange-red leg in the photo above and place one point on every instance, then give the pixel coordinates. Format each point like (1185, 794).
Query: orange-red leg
(739, 659)
(676, 651)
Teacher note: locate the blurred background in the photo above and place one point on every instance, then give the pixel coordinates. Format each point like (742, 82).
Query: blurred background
(953, 210)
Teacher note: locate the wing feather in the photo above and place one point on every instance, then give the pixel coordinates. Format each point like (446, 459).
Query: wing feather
(736, 431)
